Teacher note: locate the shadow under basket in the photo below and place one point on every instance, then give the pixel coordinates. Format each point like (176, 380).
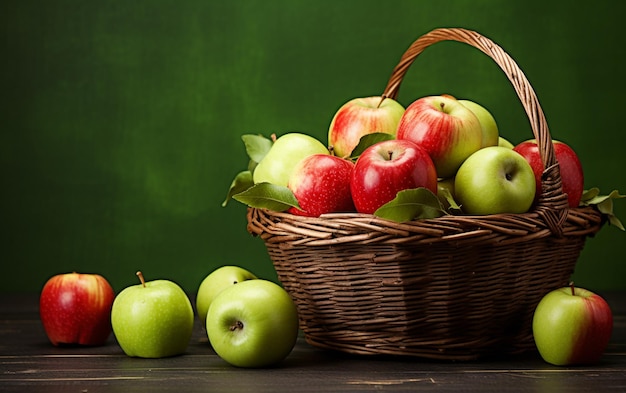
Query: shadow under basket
(452, 288)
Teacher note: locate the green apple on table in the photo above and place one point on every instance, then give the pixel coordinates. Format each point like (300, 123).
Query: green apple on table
(253, 324)
(572, 326)
(153, 319)
(487, 122)
(214, 283)
(493, 180)
(277, 165)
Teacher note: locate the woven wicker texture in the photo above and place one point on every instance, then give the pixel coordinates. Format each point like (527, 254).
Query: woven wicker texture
(455, 287)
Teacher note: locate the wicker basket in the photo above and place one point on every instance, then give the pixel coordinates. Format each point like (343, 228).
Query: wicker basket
(455, 287)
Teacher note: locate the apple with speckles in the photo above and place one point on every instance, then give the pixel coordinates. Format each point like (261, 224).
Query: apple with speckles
(572, 326)
(75, 309)
(153, 319)
(321, 184)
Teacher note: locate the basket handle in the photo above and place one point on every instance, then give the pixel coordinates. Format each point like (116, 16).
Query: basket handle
(552, 205)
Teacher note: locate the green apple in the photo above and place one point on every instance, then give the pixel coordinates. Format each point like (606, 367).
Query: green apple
(505, 143)
(495, 180)
(276, 166)
(218, 280)
(153, 319)
(487, 122)
(253, 324)
(572, 326)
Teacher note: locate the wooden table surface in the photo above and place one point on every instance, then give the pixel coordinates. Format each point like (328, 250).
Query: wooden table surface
(31, 364)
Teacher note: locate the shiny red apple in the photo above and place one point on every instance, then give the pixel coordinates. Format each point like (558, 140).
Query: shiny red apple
(76, 309)
(359, 117)
(388, 167)
(321, 184)
(571, 169)
(448, 130)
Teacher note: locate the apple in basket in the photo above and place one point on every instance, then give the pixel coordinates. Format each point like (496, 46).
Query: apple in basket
(572, 178)
(493, 180)
(488, 124)
(276, 166)
(359, 117)
(321, 184)
(386, 168)
(572, 326)
(448, 130)
(76, 309)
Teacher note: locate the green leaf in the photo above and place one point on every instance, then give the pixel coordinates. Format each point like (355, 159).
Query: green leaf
(604, 203)
(241, 182)
(417, 203)
(369, 140)
(268, 196)
(449, 199)
(257, 146)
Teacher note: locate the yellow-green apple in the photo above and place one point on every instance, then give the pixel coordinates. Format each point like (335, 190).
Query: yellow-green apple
(253, 324)
(214, 283)
(321, 184)
(572, 178)
(487, 123)
(572, 326)
(495, 179)
(75, 309)
(153, 319)
(359, 117)
(505, 143)
(386, 168)
(445, 128)
(276, 166)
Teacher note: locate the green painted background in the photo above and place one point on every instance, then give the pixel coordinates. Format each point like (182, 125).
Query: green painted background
(121, 120)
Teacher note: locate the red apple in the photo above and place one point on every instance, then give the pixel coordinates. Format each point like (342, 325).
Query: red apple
(572, 178)
(359, 117)
(572, 326)
(448, 130)
(321, 184)
(386, 168)
(76, 309)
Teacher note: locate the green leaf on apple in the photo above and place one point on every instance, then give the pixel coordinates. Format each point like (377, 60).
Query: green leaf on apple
(369, 140)
(241, 182)
(416, 203)
(257, 146)
(268, 196)
(453, 206)
(604, 203)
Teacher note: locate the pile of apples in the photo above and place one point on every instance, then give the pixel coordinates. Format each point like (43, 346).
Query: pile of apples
(379, 153)
(250, 322)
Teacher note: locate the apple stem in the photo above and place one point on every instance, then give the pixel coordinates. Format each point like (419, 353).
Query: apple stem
(381, 102)
(390, 152)
(237, 325)
(442, 105)
(273, 136)
(571, 285)
(143, 281)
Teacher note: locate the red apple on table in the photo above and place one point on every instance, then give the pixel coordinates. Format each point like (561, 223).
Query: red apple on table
(572, 178)
(386, 168)
(76, 309)
(448, 130)
(359, 117)
(572, 326)
(321, 184)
